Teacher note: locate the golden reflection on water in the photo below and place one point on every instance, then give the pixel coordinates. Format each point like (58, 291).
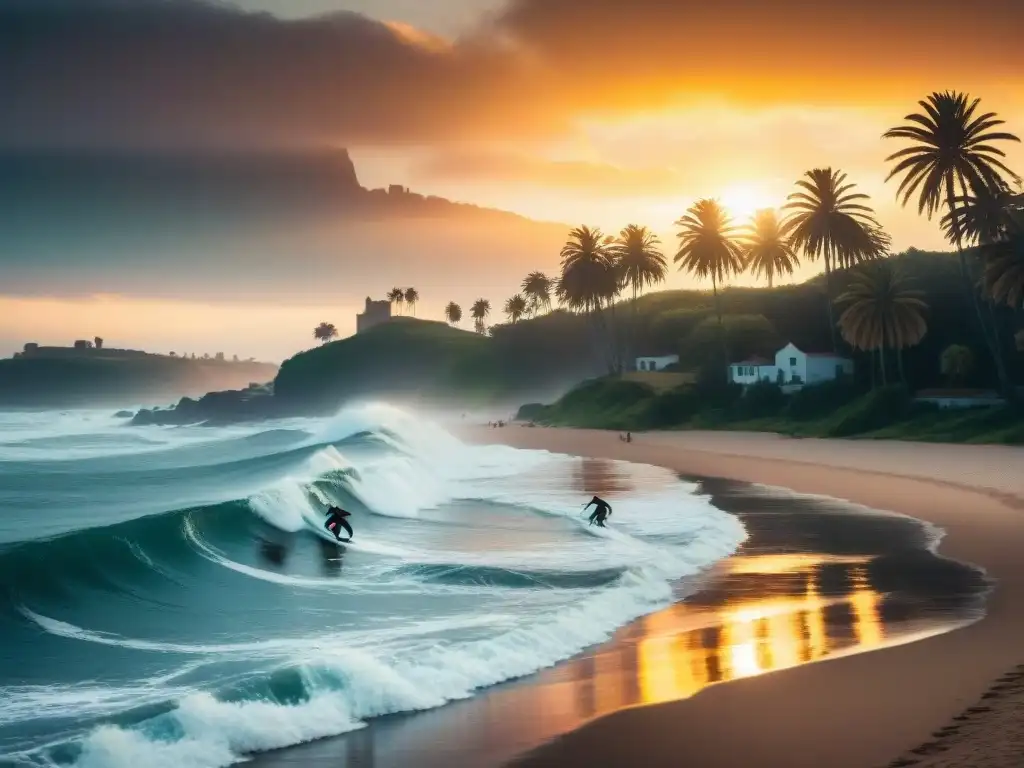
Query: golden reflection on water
(751, 635)
(600, 477)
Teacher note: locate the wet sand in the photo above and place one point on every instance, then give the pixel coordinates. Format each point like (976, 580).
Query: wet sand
(919, 703)
(815, 580)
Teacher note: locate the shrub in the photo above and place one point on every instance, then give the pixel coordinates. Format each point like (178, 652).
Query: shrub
(875, 410)
(671, 408)
(713, 389)
(820, 400)
(759, 400)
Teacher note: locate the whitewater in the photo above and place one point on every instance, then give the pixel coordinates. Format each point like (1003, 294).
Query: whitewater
(169, 597)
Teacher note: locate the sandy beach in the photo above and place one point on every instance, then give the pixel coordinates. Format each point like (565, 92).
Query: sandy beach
(954, 699)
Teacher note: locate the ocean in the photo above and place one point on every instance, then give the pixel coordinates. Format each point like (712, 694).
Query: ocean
(169, 597)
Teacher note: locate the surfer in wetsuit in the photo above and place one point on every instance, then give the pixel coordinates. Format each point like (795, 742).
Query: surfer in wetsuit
(601, 511)
(336, 521)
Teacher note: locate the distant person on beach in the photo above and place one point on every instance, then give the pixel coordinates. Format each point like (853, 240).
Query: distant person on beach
(602, 510)
(336, 521)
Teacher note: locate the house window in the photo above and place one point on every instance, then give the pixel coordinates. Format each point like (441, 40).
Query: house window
(792, 361)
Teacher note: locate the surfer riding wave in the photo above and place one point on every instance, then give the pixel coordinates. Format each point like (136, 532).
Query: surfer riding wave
(336, 521)
(601, 512)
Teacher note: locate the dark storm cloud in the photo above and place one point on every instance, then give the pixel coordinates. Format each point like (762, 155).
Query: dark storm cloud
(183, 72)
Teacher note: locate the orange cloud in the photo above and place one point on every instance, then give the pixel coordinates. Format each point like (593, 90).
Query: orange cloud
(610, 54)
(409, 34)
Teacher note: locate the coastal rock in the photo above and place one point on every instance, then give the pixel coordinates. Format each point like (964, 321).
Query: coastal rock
(255, 403)
(124, 414)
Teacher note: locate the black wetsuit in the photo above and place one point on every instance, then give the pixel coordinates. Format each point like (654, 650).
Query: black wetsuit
(336, 521)
(603, 509)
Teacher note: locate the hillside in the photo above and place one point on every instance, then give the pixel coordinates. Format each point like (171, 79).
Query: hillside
(542, 358)
(99, 377)
(424, 361)
(760, 320)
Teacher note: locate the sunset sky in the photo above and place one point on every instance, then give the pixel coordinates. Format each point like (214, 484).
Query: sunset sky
(575, 111)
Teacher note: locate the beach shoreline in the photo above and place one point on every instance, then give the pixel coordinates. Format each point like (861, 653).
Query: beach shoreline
(906, 704)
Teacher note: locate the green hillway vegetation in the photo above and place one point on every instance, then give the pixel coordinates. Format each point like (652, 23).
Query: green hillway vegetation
(910, 321)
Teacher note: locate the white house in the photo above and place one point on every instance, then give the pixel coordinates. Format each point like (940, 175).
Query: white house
(658, 363)
(793, 368)
(799, 367)
(752, 370)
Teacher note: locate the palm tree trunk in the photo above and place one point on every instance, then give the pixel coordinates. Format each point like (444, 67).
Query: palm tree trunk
(881, 355)
(721, 327)
(632, 327)
(991, 339)
(599, 333)
(899, 363)
(613, 339)
(874, 377)
(828, 298)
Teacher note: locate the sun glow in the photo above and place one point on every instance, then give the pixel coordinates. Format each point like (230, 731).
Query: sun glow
(743, 200)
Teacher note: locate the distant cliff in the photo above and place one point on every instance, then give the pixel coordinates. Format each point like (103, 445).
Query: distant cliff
(249, 226)
(191, 182)
(55, 377)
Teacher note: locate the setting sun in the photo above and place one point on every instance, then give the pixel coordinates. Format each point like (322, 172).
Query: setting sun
(743, 200)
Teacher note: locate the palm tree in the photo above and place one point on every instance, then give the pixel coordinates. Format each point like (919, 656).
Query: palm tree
(829, 221)
(882, 312)
(708, 247)
(640, 261)
(1004, 266)
(453, 313)
(589, 279)
(767, 250)
(325, 332)
(994, 219)
(515, 308)
(411, 297)
(397, 296)
(986, 216)
(479, 312)
(952, 147)
(589, 276)
(537, 289)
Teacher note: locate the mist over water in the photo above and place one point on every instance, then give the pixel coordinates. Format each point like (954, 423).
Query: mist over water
(170, 597)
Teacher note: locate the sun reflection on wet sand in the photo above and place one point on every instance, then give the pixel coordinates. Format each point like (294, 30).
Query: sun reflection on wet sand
(685, 648)
(773, 614)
